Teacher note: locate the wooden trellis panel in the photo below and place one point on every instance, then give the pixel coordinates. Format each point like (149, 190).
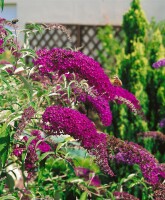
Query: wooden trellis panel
(82, 36)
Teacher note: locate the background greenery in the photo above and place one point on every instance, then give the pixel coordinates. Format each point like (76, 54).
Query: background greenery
(131, 60)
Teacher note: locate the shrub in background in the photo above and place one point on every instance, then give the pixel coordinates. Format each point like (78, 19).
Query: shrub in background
(143, 46)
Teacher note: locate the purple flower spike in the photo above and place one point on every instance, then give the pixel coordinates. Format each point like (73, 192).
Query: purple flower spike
(57, 120)
(131, 153)
(63, 61)
(153, 134)
(159, 192)
(70, 61)
(100, 105)
(123, 96)
(159, 63)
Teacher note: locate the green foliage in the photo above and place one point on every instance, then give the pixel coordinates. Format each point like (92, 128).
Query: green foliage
(134, 67)
(134, 25)
(4, 143)
(112, 52)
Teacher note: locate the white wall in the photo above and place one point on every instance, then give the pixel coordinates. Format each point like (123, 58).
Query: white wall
(9, 12)
(98, 12)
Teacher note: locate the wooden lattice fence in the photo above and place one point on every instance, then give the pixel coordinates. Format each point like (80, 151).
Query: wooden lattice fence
(83, 37)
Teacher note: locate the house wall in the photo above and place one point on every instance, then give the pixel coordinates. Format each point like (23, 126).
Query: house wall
(91, 12)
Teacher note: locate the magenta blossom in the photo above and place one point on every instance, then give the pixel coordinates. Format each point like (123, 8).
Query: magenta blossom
(131, 153)
(100, 105)
(42, 146)
(159, 63)
(64, 61)
(154, 134)
(57, 119)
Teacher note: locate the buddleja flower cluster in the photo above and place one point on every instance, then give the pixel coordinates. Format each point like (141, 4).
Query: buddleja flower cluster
(31, 155)
(159, 192)
(57, 119)
(64, 61)
(131, 153)
(69, 121)
(28, 113)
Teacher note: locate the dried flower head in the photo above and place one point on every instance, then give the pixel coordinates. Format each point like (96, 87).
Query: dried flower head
(28, 113)
(124, 196)
(159, 192)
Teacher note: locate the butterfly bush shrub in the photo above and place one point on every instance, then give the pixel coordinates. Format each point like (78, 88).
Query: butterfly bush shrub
(46, 132)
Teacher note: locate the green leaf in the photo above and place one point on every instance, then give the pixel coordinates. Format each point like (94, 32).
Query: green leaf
(2, 4)
(69, 139)
(30, 140)
(59, 146)
(10, 182)
(4, 143)
(68, 91)
(84, 196)
(44, 155)
(8, 197)
(23, 157)
(29, 52)
(27, 86)
(75, 180)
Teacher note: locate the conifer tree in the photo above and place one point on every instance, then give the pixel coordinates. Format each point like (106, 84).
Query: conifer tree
(134, 66)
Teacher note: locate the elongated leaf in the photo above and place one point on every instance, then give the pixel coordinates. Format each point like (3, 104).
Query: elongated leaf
(10, 182)
(59, 146)
(44, 155)
(4, 143)
(27, 86)
(30, 140)
(68, 91)
(84, 196)
(28, 50)
(8, 197)
(75, 180)
(2, 4)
